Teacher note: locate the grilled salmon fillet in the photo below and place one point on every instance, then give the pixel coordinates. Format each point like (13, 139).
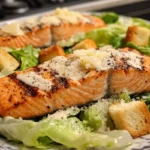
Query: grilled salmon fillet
(36, 37)
(63, 82)
(36, 31)
(19, 100)
(65, 30)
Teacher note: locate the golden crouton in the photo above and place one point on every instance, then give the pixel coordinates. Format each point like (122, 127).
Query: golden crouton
(50, 53)
(7, 61)
(138, 35)
(133, 116)
(85, 44)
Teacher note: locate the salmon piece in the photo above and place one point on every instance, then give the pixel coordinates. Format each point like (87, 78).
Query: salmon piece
(129, 79)
(20, 100)
(37, 38)
(66, 30)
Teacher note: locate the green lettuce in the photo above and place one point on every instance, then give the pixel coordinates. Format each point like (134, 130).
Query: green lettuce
(115, 31)
(15, 129)
(62, 131)
(96, 117)
(143, 49)
(125, 96)
(108, 17)
(140, 22)
(69, 132)
(28, 56)
(111, 35)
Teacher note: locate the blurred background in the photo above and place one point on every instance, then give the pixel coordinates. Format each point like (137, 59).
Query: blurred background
(10, 9)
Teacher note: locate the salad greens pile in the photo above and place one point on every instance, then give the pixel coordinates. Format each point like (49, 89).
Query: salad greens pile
(70, 131)
(143, 49)
(110, 35)
(115, 31)
(28, 56)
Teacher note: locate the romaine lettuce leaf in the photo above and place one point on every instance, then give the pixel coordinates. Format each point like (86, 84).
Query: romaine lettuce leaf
(140, 22)
(72, 134)
(28, 56)
(63, 131)
(15, 129)
(108, 17)
(125, 96)
(96, 117)
(143, 49)
(111, 35)
(69, 132)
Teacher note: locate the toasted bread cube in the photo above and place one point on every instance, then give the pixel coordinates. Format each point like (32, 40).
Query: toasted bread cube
(133, 116)
(138, 35)
(7, 61)
(85, 44)
(51, 52)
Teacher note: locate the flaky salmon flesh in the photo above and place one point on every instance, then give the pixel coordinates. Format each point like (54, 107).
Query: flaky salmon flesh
(63, 82)
(42, 36)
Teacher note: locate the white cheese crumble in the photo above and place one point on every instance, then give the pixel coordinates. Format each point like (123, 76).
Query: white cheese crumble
(63, 15)
(50, 20)
(29, 23)
(94, 59)
(106, 58)
(69, 16)
(35, 80)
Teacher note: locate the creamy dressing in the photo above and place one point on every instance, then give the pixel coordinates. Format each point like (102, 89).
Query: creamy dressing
(35, 80)
(68, 68)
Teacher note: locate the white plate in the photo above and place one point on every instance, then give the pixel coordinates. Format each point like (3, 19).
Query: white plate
(142, 143)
